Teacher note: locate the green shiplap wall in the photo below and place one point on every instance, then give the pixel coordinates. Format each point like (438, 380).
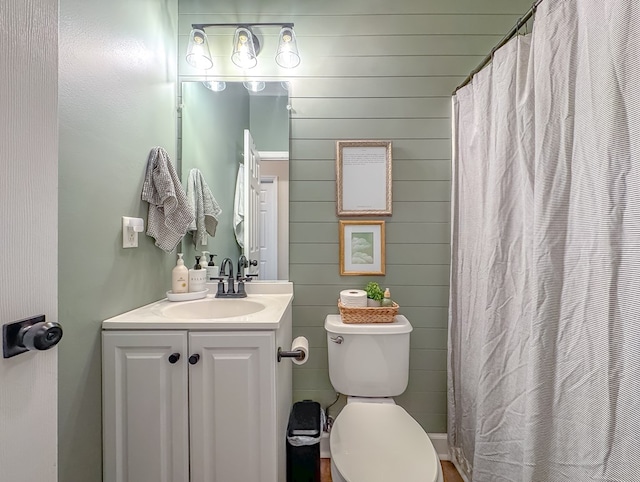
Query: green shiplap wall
(371, 69)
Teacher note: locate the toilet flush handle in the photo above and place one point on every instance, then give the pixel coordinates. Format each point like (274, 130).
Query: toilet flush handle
(337, 339)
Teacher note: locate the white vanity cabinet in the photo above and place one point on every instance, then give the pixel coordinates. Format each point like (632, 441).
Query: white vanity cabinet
(193, 406)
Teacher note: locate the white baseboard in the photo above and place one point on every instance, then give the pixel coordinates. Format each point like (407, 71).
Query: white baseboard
(325, 451)
(439, 441)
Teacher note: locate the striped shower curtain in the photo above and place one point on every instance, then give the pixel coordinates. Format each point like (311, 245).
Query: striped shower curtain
(544, 323)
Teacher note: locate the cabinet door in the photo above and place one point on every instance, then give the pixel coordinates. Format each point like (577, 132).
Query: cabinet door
(145, 405)
(232, 403)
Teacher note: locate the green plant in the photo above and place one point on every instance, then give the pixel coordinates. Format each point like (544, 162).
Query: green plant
(374, 291)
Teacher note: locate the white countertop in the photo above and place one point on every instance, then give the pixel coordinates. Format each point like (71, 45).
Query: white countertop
(275, 296)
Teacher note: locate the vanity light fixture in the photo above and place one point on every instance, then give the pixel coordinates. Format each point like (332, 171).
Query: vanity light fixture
(246, 46)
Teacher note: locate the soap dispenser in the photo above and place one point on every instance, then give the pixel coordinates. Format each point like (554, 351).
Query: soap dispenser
(180, 277)
(203, 259)
(387, 301)
(213, 271)
(197, 277)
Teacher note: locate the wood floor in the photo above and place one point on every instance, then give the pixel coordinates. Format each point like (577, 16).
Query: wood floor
(450, 473)
(448, 469)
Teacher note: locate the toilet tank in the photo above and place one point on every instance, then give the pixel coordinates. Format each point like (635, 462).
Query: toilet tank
(368, 359)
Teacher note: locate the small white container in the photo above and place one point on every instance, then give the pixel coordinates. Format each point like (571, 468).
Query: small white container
(197, 280)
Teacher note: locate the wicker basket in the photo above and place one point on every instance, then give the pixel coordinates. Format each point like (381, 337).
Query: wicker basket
(383, 314)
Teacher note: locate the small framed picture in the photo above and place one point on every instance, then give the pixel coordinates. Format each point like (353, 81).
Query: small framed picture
(361, 248)
(363, 176)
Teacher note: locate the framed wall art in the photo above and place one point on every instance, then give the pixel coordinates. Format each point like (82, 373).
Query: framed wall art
(363, 176)
(362, 248)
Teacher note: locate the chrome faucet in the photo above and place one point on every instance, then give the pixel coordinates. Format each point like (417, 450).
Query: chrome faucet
(230, 293)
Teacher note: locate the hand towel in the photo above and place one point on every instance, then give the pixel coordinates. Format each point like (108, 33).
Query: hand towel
(169, 212)
(238, 207)
(206, 208)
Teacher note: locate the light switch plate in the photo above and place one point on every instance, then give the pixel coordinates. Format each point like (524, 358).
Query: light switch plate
(129, 236)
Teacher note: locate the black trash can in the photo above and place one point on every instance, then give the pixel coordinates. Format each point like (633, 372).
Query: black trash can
(303, 442)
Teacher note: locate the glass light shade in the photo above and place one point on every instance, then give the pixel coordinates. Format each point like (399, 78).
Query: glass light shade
(254, 85)
(198, 53)
(287, 55)
(245, 48)
(215, 85)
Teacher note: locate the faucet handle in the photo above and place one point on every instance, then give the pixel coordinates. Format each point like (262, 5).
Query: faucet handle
(241, 291)
(220, 290)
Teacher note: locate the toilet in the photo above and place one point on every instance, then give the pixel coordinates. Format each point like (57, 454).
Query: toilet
(373, 439)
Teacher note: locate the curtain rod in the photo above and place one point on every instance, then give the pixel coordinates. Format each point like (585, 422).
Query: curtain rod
(524, 19)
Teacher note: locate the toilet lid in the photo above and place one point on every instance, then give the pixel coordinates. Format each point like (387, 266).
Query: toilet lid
(373, 442)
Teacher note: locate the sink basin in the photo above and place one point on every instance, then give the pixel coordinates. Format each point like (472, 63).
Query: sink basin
(213, 308)
(266, 307)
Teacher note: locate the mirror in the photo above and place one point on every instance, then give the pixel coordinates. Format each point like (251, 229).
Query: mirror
(212, 139)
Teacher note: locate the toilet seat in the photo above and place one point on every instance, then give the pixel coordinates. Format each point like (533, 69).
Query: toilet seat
(376, 442)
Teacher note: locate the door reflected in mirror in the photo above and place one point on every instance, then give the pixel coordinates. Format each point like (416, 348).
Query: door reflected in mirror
(212, 139)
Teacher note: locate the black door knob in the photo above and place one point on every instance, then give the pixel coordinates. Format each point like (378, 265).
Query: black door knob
(40, 336)
(193, 359)
(174, 357)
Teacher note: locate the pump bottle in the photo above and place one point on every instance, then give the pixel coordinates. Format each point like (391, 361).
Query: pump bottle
(197, 277)
(180, 277)
(203, 259)
(213, 271)
(387, 301)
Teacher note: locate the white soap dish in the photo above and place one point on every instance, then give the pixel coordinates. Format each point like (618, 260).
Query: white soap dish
(196, 295)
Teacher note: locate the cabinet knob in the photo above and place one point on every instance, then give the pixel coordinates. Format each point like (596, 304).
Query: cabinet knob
(193, 359)
(174, 357)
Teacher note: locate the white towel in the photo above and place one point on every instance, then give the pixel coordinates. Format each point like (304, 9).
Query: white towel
(169, 212)
(238, 207)
(206, 208)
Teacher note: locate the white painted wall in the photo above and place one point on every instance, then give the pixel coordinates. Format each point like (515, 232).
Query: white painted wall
(28, 239)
